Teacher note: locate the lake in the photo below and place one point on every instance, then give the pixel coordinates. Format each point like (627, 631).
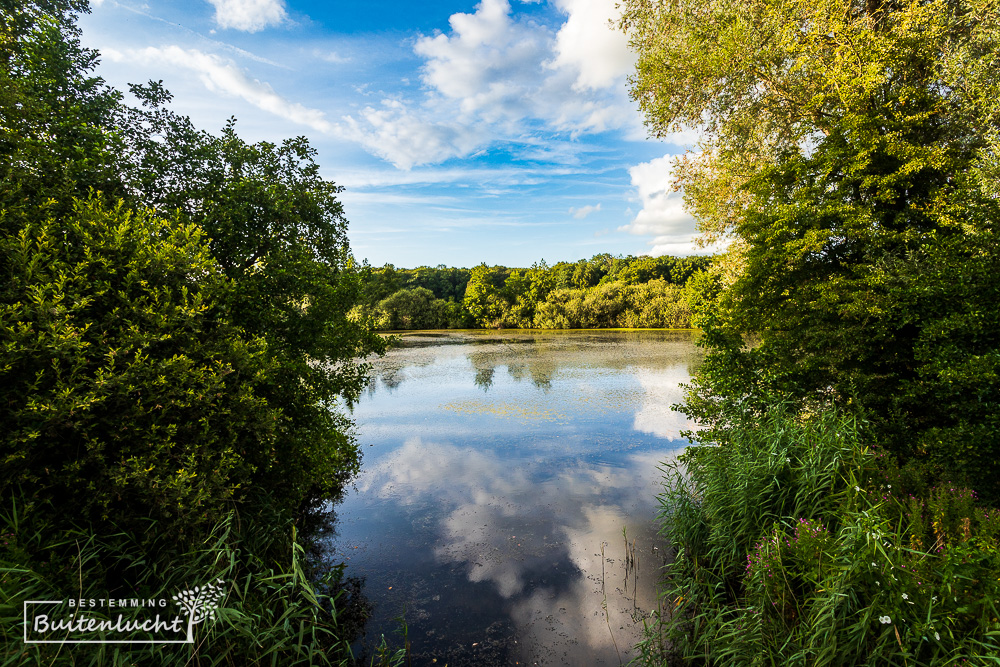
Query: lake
(507, 497)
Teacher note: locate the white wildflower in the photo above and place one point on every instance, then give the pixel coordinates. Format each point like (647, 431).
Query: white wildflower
(937, 636)
(884, 620)
(905, 596)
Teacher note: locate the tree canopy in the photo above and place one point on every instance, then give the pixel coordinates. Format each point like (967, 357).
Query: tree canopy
(848, 153)
(175, 302)
(600, 292)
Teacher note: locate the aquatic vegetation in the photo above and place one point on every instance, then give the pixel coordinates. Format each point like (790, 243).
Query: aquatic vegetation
(797, 544)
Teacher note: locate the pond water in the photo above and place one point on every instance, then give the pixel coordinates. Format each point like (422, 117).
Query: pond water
(507, 498)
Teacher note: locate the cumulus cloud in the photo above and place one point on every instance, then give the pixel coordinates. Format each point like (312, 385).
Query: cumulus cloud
(489, 64)
(223, 76)
(588, 44)
(502, 77)
(584, 211)
(248, 15)
(662, 215)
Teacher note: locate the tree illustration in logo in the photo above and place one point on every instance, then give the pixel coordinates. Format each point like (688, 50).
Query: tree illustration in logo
(200, 603)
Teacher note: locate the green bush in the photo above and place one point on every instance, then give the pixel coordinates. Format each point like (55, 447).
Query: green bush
(123, 392)
(412, 309)
(167, 360)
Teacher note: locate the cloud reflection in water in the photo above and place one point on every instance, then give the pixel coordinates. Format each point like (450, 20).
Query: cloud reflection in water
(514, 503)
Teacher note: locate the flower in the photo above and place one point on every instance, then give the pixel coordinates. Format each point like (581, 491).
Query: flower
(905, 596)
(937, 636)
(884, 620)
(857, 488)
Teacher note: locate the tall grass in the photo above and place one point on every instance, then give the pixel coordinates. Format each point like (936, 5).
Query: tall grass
(275, 612)
(796, 544)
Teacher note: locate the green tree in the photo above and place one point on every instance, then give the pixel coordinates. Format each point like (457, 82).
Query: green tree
(279, 233)
(842, 138)
(55, 115)
(484, 298)
(413, 309)
(274, 227)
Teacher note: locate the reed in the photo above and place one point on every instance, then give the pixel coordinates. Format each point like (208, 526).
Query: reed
(276, 611)
(798, 544)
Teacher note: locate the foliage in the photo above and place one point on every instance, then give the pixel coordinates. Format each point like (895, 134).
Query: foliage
(279, 233)
(627, 292)
(122, 391)
(484, 296)
(796, 546)
(53, 113)
(273, 226)
(850, 154)
(655, 304)
(412, 309)
(174, 333)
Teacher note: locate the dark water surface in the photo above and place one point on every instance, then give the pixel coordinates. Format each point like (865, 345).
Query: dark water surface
(500, 471)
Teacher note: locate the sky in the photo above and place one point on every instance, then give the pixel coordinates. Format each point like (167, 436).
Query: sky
(463, 132)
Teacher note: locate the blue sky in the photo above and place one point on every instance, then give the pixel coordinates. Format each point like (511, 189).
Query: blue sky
(499, 131)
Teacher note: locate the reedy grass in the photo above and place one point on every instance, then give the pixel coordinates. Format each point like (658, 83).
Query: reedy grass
(275, 611)
(797, 545)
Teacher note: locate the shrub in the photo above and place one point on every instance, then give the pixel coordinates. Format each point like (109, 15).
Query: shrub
(123, 393)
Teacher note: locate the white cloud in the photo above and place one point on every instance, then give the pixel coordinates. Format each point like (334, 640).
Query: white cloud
(405, 139)
(501, 79)
(249, 15)
(662, 215)
(588, 44)
(332, 57)
(223, 76)
(584, 211)
(489, 63)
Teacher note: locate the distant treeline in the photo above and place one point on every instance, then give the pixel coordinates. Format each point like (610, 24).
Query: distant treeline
(604, 291)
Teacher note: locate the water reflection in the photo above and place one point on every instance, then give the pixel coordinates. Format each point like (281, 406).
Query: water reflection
(500, 474)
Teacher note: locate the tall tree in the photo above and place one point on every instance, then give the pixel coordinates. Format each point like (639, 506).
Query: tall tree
(279, 233)
(274, 229)
(843, 139)
(55, 114)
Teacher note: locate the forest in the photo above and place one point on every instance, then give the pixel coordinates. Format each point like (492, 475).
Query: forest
(602, 292)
